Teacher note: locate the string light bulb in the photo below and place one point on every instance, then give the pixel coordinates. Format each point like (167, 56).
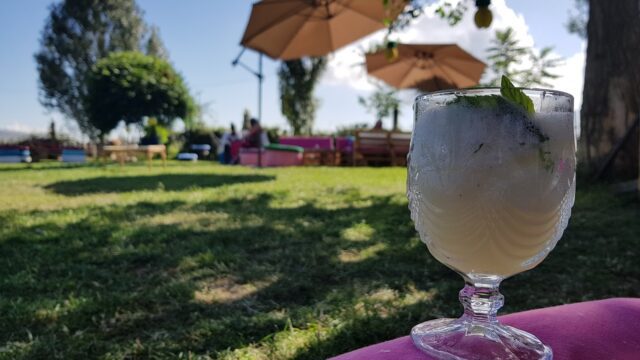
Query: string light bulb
(391, 52)
(483, 15)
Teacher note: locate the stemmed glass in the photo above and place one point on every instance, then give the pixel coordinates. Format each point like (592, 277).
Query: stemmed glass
(490, 190)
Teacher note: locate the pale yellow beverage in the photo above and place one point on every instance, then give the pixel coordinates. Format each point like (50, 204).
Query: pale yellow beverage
(491, 189)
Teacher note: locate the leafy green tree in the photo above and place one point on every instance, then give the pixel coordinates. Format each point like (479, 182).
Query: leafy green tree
(578, 18)
(448, 11)
(298, 79)
(154, 45)
(542, 63)
(131, 86)
(246, 119)
(77, 33)
(381, 102)
(506, 57)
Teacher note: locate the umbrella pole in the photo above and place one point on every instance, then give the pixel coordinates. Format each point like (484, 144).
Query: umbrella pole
(260, 78)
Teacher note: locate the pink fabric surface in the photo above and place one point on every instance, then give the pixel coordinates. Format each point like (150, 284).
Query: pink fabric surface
(282, 158)
(593, 330)
(317, 143)
(344, 144)
(235, 149)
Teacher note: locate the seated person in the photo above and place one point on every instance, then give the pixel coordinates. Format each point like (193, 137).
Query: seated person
(256, 137)
(224, 147)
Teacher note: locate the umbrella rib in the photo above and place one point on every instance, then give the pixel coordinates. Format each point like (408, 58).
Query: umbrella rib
(330, 38)
(275, 22)
(466, 76)
(459, 71)
(329, 33)
(446, 74)
(409, 69)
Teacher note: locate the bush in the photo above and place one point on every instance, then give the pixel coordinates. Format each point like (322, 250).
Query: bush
(130, 86)
(350, 130)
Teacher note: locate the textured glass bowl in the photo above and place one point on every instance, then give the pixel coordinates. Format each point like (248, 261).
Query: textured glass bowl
(490, 190)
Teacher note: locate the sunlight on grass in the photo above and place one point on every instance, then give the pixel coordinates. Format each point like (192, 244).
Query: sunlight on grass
(52, 313)
(208, 220)
(228, 289)
(352, 255)
(359, 232)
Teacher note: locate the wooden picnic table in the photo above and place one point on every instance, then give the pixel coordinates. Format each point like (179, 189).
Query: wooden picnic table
(122, 152)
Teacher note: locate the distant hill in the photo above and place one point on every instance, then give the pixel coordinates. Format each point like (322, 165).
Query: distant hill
(7, 136)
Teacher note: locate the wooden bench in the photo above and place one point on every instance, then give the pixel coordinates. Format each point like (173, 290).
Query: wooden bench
(399, 143)
(122, 152)
(379, 147)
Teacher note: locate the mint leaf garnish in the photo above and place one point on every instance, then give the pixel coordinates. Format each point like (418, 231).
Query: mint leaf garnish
(515, 95)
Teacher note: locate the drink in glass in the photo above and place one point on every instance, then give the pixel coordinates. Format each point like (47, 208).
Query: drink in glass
(491, 184)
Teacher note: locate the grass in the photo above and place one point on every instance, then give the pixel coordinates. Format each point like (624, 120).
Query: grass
(198, 261)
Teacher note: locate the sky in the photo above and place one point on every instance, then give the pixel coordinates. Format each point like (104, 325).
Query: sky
(202, 37)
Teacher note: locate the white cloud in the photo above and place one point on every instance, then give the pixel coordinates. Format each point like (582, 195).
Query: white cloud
(20, 127)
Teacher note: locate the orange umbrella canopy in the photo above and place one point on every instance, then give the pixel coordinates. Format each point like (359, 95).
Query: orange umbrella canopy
(426, 67)
(291, 29)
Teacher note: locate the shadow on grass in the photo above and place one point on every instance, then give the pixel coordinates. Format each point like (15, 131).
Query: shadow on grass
(48, 165)
(202, 277)
(169, 182)
(153, 280)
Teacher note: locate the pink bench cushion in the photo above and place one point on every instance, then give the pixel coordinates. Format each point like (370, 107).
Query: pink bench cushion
(249, 157)
(594, 330)
(344, 144)
(311, 142)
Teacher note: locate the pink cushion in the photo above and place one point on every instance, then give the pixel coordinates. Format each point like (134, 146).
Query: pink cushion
(318, 143)
(344, 144)
(282, 158)
(594, 330)
(249, 157)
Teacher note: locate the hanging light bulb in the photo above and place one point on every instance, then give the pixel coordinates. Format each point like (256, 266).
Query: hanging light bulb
(483, 16)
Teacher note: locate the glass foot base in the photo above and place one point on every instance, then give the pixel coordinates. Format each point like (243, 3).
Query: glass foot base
(462, 339)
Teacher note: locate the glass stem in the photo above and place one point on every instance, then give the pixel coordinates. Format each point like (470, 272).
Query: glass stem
(481, 301)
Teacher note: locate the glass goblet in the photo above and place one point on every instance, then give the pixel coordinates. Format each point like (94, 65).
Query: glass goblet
(490, 188)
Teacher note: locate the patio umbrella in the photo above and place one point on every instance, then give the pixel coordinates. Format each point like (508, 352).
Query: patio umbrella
(291, 29)
(426, 67)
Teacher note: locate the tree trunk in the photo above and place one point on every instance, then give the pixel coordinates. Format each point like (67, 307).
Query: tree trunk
(611, 86)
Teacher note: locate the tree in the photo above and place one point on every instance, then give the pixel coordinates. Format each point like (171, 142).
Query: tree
(246, 119)
(298, 79)
(154, 45)
(577, 23)
(505, 55)
(541, 66)
(52, 131)
(77, 33)
(382, 102)
(524, 66)
(611, 94)
(131, 86)
(448, 11)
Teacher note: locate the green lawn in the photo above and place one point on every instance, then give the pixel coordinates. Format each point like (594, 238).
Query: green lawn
(198, 261)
